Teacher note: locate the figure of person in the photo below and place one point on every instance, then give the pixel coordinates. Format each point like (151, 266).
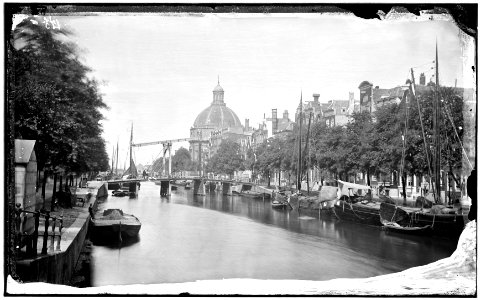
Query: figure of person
(68, 197)
(91, 211)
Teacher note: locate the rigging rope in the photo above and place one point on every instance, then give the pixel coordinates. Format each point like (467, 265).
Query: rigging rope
(456, 133)
(413, 90)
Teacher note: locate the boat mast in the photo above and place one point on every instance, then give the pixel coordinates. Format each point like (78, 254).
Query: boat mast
(426, 148)
(117, 158)
(306, 150)
(299, 159)
(437, 144)
(113, 159)
(131, 142)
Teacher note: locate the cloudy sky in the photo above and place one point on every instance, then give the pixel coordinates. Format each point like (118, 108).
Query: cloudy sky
(159, 70)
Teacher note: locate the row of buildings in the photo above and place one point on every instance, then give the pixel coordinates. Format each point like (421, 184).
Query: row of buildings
(218, 122)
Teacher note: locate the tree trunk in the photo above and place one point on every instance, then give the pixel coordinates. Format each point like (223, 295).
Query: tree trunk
(54, 192)
(403, 179)
(44, 183)
(279, 180)
(368, 179)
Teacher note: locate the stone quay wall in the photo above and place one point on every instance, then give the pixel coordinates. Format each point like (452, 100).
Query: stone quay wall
(58, 267)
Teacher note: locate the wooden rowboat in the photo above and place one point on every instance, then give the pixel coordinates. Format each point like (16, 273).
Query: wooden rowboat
(115, 222)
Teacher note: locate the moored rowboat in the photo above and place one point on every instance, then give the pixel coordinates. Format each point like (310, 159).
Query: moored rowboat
(115, 221)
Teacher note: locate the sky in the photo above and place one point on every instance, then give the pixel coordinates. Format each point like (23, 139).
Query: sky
(158, 71)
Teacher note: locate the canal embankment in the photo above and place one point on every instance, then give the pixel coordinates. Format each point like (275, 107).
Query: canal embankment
(58, 264)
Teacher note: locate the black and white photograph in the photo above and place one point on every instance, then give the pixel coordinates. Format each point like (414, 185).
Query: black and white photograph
(240, 149)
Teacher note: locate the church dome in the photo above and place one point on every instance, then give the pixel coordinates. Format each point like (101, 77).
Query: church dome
(217, 115)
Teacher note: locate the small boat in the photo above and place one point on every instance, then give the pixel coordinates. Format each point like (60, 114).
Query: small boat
(277, 204)
(115, 222)
(252, 194)
(413, 230)
(440, 224)
(119, 193)
(281, 201)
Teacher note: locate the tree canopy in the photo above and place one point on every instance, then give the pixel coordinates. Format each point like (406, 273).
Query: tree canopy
(227, 159)
(55, 101)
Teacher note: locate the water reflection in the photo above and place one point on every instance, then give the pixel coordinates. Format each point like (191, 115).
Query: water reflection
(187, 238)
(405, 250)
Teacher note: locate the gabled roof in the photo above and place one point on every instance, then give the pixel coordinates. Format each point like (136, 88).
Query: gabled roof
(23, 150)
(336, 106)
(396, 92)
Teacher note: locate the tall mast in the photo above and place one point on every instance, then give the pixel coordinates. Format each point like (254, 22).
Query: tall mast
(426, 147)
(131, 142)
(113, 158)
(307, 151)
(437, 146)
(299, 159)
(117, 158)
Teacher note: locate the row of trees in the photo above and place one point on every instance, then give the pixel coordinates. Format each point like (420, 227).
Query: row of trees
(389, 140)
(397, 138)
(54, 100)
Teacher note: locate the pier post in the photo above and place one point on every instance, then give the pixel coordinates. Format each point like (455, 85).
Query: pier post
(165, 188)
(45, 234)
(33, 241)
(199, 187)
(227, 188)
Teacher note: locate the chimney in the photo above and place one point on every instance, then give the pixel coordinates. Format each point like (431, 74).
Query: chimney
(247, 124)
(316, 97)
(274, 119)
(422, 79)
(285, 116)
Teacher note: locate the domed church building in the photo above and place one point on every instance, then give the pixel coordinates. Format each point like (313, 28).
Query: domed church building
(214, 124)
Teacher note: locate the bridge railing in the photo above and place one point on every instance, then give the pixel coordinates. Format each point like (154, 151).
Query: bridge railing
(24, 236)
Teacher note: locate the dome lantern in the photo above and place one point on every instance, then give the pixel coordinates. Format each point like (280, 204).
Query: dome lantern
(218, 94)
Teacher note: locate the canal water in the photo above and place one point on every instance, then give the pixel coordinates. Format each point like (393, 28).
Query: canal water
(186, 238)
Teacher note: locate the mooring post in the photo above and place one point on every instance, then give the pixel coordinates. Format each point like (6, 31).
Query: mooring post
(59, 232)
(33, 249)
(45, 234)
(18, 221)
(54, 219)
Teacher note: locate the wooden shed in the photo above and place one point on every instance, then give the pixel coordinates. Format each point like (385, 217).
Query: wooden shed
(25, 174)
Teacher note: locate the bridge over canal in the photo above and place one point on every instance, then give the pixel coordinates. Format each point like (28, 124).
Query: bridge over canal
(199, 185)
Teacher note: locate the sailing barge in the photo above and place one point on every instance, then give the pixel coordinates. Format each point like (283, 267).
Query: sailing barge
(356, 205)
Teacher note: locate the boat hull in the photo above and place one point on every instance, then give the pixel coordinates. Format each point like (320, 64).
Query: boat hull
(448, 225)
(426, 230)
(442, 224)
(357, 212)
(111, 231)
(114, 224)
